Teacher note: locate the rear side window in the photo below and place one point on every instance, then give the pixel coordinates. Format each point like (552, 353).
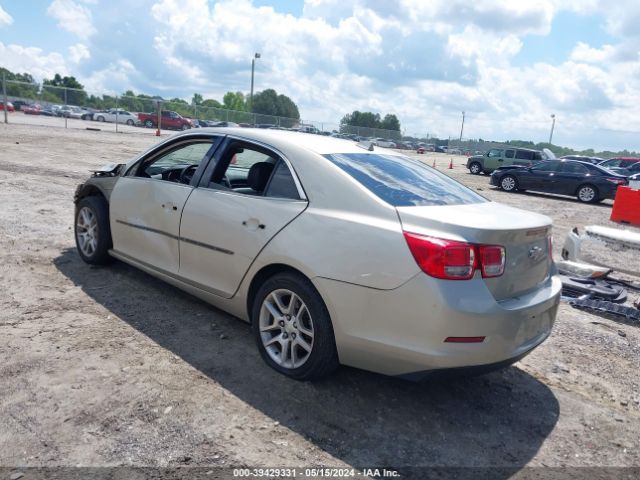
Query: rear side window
(402, 182)
(282, 184)
(508, 153)
(524, 155)
(573, 167)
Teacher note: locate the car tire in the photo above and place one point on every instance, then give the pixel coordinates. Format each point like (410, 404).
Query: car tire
(130, 122)
(184, 127)
(92, 230)
(100, 118)
(508, 183)
(475, 168)
(587, 194)
(148, 123)
(297, 342)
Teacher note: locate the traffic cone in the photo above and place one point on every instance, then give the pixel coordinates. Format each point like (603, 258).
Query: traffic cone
(451, 164)
(157, 132)
(434, 163)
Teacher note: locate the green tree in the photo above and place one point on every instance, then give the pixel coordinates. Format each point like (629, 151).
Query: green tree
(20, 85)
(268, 102)
(197, 99)
(75, 94)
(211, 103)
(234, 101)
(390, 122)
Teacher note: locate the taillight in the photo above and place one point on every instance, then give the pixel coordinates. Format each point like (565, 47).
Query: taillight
(453, 260)
(491, 260)
(617, 181)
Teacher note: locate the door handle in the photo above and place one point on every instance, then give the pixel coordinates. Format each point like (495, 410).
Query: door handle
(253, 224)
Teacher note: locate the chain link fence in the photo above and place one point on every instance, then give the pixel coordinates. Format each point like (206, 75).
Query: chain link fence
(37, 104)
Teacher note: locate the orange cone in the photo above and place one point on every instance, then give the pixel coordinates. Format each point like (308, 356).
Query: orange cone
(157, 132)
(434, 163)
(451, 164)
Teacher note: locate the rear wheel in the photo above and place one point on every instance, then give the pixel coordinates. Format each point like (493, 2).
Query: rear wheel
(92, 230)
(129, 122)
(293, 328)
(100, 118)
(508, 183)
(588, 194)
(475, 168)
(148, 123)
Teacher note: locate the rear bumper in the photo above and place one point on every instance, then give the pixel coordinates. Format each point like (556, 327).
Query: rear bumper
(402, 332)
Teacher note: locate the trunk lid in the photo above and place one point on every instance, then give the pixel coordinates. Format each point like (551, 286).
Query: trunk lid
(524, 235)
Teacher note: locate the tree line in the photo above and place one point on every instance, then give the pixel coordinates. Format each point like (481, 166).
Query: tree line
(370, 120)
(67, 89)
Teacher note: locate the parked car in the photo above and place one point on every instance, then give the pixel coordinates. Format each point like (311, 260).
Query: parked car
(169, 120)
(18, 104)
(79, 113)
(383, 142)
(10, 107)
(33, 109)
(583, 158)
(622, 165)
(115, 114)
(261, 223)
(48, 111)
(501, 157)
(588, 183)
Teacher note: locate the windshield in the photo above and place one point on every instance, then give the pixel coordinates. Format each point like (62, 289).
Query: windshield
(403, 182)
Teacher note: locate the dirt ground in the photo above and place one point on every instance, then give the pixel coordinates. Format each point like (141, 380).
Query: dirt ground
(109, 366)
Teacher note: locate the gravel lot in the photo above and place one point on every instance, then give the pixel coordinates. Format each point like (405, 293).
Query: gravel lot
(108, 366)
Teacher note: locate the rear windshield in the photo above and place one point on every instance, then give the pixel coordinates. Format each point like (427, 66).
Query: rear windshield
(403, 182)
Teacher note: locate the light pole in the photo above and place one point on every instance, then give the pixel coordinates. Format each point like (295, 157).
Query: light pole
(253, 68)
(553, 124)
(462, 127)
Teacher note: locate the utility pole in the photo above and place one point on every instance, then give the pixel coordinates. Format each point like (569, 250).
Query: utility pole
(4, 96)
(462, 127)
(253, 68)
(553, 124)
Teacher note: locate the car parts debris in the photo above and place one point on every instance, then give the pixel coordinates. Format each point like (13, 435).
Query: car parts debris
(609, 308)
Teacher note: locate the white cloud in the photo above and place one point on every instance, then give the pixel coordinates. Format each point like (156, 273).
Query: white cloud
(79, 52)
(72, 17)
(5, 18)
(32, 60)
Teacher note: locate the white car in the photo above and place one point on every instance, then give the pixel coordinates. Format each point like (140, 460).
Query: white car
(335, 252)
(113, 115)
(382, 142)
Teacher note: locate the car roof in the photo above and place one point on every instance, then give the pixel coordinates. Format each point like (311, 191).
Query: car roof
(635, 159)
(281, 139)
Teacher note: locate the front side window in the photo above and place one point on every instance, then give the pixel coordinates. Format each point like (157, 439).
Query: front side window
(171, 164)
(546, 167)
(612, 163)
(509, 153)
(402, 182)
(494, 153)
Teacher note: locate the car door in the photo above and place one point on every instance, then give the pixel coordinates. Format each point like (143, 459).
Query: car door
(569, 177)
(147, 202)
(226, 222)
(493, 159)
(540, 177)
(509, 155)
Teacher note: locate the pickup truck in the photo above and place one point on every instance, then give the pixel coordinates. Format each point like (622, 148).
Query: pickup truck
(169, 120)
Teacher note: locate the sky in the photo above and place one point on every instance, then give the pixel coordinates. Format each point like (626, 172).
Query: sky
(509, 65)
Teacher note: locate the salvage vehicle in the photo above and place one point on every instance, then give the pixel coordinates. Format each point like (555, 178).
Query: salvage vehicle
(168, 120)
(502, 157)
(588, 183)
(335, 252)
(626, 166)
(116, 115)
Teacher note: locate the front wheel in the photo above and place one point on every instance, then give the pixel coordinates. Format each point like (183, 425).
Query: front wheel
(509, 183)
(184, 127)
(92, 230)
(588, 194)
(475, 168)
(293, 328)
(100, 118)
(130, 122)
(148, 124)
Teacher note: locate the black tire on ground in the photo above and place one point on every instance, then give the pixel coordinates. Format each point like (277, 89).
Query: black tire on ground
(588, 193)
(184, 127)
(129, 122)
(100, 118)
(98, 206)
(148, 123)
(475, 168)
(323, 358)
(508, 183)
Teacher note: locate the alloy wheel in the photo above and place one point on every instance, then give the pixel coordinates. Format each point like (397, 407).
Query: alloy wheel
(87, 231)
(586, 194)
(286, 328)
(508, 183)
